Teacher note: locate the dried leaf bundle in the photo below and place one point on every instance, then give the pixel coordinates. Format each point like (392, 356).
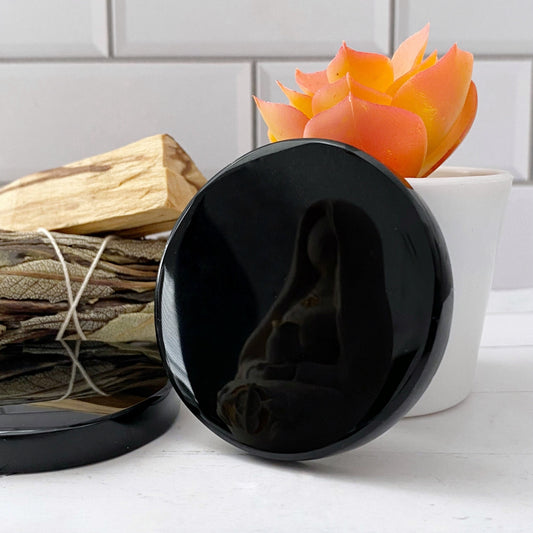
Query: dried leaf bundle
(117, 305)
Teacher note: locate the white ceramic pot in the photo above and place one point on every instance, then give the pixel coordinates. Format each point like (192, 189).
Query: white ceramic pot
(468, 205)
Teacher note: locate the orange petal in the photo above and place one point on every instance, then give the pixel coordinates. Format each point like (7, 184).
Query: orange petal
(336, 123)
(329, 95)
(438, 93)
(311, 82)
(271, 137)
(394, 136)
(367, 93)
(456, 134)
(300, 101)
(410, 53)
(283, 121)
(372, 70)
(428, 62)
(333, 93)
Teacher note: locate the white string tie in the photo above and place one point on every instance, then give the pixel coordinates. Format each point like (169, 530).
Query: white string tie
(72, 314)
(76, 365)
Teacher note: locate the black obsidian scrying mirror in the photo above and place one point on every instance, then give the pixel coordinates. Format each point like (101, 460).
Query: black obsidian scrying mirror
(304, 300)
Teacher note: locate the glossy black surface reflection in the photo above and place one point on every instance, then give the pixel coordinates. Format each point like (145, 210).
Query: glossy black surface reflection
(304, 300)
(68, 404)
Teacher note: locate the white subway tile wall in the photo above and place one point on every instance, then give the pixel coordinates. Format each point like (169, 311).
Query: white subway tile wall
(77, 79)
(54, 28)
(249, 28)
(514, 262)
(60, 112)
(494, 27)
(500, 135)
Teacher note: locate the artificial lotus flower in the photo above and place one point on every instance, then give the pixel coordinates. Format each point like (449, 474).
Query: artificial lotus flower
(408, 112)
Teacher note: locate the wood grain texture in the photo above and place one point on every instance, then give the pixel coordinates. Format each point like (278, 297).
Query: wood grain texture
(138, 189)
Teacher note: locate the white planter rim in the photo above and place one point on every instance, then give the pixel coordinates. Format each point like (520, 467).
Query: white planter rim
(446, 176)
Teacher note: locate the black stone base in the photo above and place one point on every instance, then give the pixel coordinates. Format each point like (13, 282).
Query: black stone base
(52, 417)
(106, 437)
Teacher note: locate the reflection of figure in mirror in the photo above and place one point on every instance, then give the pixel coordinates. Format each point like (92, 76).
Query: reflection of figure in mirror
(312, 369)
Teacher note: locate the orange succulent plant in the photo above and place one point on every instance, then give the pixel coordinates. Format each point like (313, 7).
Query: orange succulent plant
(408, 112)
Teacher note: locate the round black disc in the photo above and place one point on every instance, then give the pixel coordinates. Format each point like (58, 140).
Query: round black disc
(56, 413)
(304, 300)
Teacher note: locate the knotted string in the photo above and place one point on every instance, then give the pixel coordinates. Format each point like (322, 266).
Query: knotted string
(73, 314)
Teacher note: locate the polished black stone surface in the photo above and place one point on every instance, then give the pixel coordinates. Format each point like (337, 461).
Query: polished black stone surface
(59, 410)
(304, 300)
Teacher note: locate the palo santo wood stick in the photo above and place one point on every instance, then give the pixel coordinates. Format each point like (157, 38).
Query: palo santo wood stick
(138, 189)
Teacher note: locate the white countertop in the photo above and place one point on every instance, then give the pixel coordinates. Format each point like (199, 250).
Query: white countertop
(469, 468)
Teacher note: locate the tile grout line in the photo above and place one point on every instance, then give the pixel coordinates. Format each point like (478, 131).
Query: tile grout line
(110, 30)
(253, 85)
(392, 23)
(530, 132)
(162, 59)
(487, 56)
(216, 59)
